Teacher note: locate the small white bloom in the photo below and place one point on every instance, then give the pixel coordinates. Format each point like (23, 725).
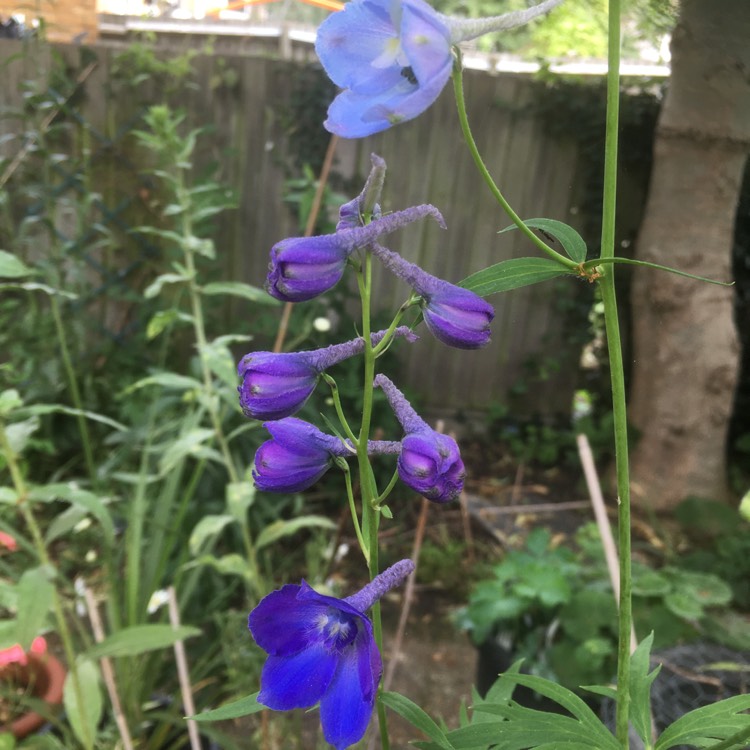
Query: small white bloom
(158, 599)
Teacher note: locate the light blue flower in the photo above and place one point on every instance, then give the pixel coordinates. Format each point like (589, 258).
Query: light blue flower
(392, 58)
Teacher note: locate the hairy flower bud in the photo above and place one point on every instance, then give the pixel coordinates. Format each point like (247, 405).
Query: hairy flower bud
(429, 462)
(456, 316)
(278, 385)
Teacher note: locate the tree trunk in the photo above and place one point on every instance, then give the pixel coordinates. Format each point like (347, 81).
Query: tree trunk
(684, 341)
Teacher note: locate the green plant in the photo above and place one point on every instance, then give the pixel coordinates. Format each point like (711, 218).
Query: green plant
(554, 605)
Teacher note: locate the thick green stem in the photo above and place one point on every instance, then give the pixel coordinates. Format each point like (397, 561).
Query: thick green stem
(617, 377)
(458, 88)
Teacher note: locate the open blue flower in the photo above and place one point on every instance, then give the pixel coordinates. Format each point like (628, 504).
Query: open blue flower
(392, 59)
(322, 649)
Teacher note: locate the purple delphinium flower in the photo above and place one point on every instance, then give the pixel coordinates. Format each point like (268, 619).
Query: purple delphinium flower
(456, 316)
(322, 649)
(430, 462)
(277, 385)
(302, 268)
(298, 454)
(393, 58)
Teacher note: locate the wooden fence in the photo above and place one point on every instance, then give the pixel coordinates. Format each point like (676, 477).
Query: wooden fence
(427, 163)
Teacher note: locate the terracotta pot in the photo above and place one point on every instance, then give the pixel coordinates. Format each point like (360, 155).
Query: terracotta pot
(45, 676)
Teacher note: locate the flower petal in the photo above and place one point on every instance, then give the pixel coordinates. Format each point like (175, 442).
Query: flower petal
(346, 707)
(281, 623)
(349, 42)
(297, 681)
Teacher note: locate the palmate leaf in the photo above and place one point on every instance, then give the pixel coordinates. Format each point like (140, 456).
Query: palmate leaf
(640, 688)
(707, 726)
(526, 729)
(410, 711)
(513, 274)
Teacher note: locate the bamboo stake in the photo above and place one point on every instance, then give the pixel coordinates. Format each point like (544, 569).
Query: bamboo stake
(107, 671)
(602, 521)
(182, 672)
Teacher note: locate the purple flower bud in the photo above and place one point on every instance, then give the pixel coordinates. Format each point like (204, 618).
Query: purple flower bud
(456, 316)
(302, 268)
(278, 385)
(430, 463)
(297, 455)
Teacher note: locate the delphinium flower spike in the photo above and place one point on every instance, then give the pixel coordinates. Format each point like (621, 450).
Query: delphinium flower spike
(456, 316)
(393, 58)
(430, 462)
(276, 385)
(322, 649)
(298, 454)
(302, 268)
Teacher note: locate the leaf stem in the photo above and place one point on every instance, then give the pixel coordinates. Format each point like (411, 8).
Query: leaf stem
(458, 88)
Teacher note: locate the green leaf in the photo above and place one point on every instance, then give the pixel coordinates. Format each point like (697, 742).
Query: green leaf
(189, 444)
(228, 565)
(745, 506)
(13, 268)
(240, 289)
(512, 274)
(647, 582)
(234, 710)
(80, 498)
(240, 496)
(683, 605)
(7, 741)
(33, 286)
(83, 715)
(155, 287)
(35, 599)
(19, 434)
(568, 237)
(632, 262)
(9, 400)
(279, 529)
(585, 718)
(170, 380)
(706, 726)
(410, 711)
(64, 523)
(205, 530)
(140, 639)
(42, 409)
(8, 496)
(640, 688)
(161, 320)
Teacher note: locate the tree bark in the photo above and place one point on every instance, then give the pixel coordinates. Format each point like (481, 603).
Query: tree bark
(684, 342)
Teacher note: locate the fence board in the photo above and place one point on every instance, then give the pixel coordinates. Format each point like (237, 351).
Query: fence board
(428, 163)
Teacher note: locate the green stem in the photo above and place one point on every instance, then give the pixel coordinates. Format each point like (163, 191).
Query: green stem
(355, 518)
(199, 328)
(387, 340)
(339, 409)
(370, 516)
(22, 491)
(458, 88)
(617, 377)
